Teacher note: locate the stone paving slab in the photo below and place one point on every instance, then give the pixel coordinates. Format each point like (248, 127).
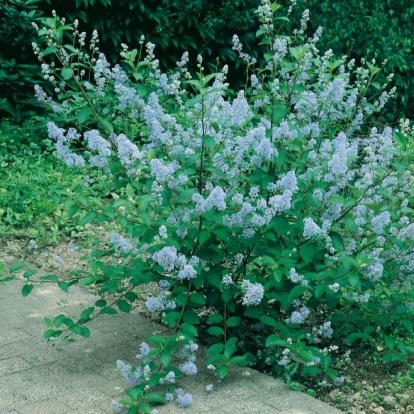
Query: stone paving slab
(37, 377)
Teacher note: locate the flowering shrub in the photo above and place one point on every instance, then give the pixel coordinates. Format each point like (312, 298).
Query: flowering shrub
(282, 214)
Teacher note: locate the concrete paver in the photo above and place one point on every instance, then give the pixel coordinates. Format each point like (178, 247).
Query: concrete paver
(59, 378)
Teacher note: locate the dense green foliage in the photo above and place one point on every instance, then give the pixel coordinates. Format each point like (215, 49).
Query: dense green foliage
(35, 187)
(372, 29)
(19, 71)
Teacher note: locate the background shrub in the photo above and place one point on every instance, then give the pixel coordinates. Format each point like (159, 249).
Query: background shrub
(372, 29)
(19, 69)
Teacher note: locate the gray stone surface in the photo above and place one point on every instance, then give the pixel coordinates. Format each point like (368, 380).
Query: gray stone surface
(37, 377)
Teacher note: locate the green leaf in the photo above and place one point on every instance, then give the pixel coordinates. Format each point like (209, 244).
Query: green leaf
(203, 236)
(295, 52)
(49, 278)
(307, 251)
(100, 303)
(389, 342)
(208, 141)
(83, 115)
(16, 267)
(59, 320)
(26, 290)
(198, 299)
(156, 340)
(165, 358)
(306, 356)
(233, 321)
(67, 73)
(188, 329)
(87, 281)
(275, 340)
(29, 273)
(134, 410)
(172, 318)
(108, 311)
(85, 315)
(191, 317)
(268, 320)
(310, 371)
(80, 330)
(124, 306)
(215, 331)
(320, 290)
(354, 280)
(239, 360)
(215, 318)
(252, 312)
(337, 241)
(87, 218)
(296, 292)
(135, 393)
(215, 349)
(155, 398)
(279, 112)
(223, 371)
(358, 335)
(281, 225)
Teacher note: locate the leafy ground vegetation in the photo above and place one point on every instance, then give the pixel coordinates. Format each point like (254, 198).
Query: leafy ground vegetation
(272, 224)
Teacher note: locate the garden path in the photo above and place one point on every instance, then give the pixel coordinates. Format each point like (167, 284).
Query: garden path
(37, 377)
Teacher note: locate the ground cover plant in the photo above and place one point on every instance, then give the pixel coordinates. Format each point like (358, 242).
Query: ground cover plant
(36, 189)
(284, 214)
